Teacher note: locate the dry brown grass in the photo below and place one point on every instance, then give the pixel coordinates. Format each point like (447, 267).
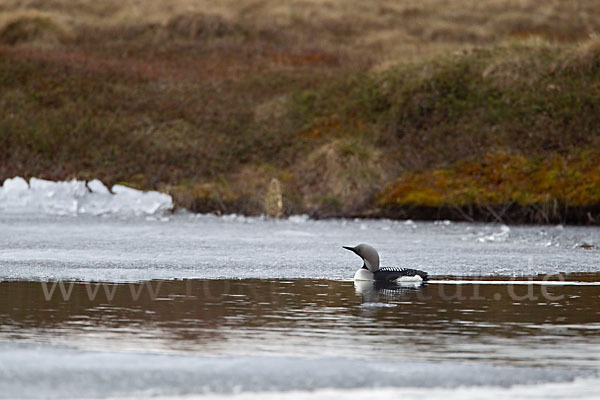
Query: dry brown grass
(586, 56)
(384, 30)
(33, 27)
(341, 177)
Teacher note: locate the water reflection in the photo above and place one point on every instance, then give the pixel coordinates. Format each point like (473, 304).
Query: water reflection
(371, 291)
(532, 325)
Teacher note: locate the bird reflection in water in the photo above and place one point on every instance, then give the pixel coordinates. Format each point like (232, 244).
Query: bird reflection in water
(374, 291)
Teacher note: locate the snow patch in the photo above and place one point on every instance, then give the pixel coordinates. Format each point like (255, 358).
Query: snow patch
(74, 197)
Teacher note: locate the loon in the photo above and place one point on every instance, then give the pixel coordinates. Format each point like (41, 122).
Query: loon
(370, 270)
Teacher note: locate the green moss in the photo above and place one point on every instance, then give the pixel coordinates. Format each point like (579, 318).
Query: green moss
(501, 179)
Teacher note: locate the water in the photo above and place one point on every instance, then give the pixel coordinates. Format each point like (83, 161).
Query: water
(207, 247)
(206, 307)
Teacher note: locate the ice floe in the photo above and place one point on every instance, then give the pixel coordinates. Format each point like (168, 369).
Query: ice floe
(75, 197)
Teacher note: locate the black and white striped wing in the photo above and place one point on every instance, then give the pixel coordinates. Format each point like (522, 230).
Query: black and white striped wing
(391, 274)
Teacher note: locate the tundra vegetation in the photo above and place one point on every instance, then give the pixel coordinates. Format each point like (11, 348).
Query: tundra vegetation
(463, 109)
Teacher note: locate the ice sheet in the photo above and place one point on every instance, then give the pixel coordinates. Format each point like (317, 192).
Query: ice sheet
(75, 197)
(43, 371)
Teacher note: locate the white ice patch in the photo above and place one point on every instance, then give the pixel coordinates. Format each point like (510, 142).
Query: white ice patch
(298, 219)
(497, 236)
(74, 197)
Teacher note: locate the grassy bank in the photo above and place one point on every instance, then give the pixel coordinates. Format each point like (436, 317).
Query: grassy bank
(503, 188)
(503, 133)
(490, 111)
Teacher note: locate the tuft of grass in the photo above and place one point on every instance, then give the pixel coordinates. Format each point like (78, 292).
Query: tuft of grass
(199, 26)
(30, 28)
(340, 176)
(585, 58)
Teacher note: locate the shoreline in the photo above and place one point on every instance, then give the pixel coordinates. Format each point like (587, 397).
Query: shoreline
(511, 215)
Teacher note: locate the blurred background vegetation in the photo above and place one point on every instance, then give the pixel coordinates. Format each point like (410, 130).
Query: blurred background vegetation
(462, 109)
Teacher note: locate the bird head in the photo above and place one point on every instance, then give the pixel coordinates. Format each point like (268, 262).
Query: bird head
(368, 254)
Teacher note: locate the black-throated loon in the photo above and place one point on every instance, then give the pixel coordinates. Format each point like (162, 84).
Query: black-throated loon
(370, 270)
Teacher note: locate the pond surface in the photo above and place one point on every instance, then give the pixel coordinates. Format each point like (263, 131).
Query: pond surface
(206, 307)
(208, 247)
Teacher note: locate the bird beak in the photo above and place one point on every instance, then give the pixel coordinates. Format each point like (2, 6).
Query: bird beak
(349, 248)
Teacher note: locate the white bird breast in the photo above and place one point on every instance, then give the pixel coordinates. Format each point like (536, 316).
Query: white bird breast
(363, 275)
